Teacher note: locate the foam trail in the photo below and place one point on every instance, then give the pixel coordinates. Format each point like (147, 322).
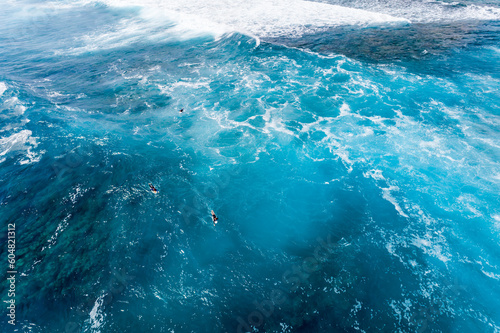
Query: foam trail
(97, 317)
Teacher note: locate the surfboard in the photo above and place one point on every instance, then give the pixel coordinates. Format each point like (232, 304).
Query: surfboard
(152, 188)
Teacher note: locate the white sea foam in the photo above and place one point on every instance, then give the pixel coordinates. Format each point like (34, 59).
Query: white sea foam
(491, 275)
(375, 174)
(496, 221)
(432, 244)
(184, 84)
(344, 110)
(151, 25)
(60, 228)
(431, 11)
(31, 157)
(259, 17)
(435, 143)
(469, 203)
(402, 309)
(387, 195)
(18, 141)
(3, 88)
(96, 315)
(15, 106)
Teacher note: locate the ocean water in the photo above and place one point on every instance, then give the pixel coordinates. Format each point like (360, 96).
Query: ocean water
(351, 150)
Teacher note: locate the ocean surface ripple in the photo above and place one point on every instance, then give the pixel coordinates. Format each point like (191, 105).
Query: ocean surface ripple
(351, 151)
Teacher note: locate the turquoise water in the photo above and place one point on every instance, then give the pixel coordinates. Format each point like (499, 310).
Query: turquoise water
(353, 165)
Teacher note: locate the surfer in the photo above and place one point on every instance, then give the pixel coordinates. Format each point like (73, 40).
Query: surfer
(181, 110)
(214, 218)
(153, 188)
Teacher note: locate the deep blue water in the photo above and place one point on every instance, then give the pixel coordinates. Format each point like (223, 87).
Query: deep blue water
(354, 167)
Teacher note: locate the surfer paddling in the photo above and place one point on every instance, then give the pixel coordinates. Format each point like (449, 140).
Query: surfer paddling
(214, 218)
(181, 110)
(152, 188)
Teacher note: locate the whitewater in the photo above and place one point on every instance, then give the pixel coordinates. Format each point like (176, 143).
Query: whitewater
(350, 150)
